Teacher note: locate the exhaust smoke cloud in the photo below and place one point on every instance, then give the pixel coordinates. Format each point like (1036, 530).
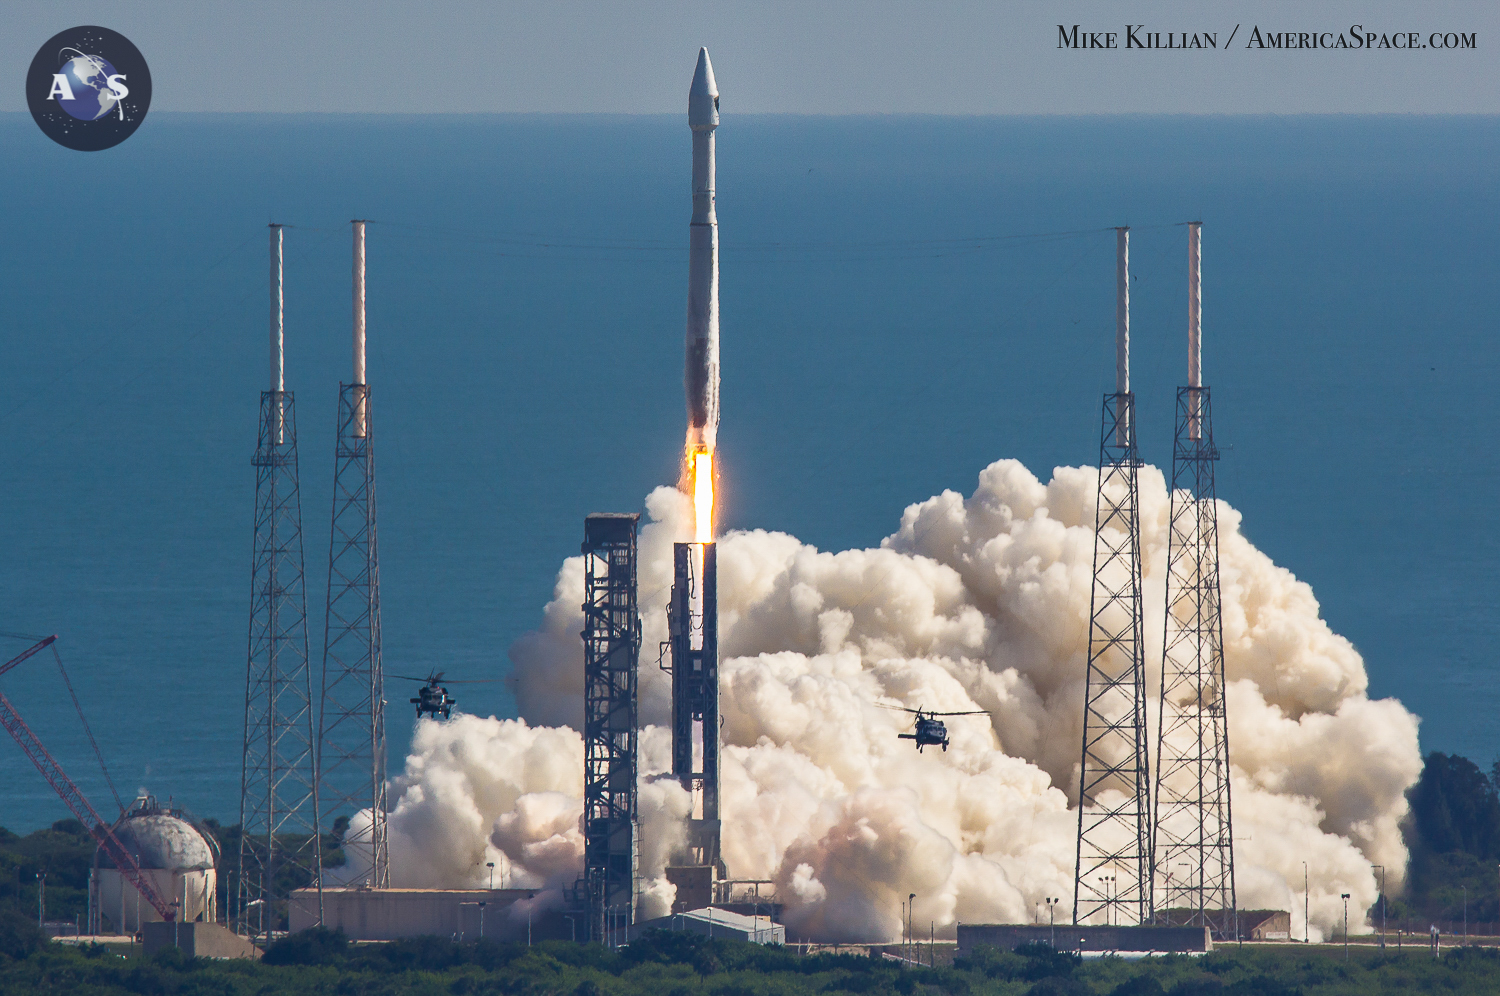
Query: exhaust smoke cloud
(972, 603)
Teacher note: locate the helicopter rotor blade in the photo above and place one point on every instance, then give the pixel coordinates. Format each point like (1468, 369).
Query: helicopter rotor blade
(472, 681)
(882, 705)
(972, 712)
(407, 677)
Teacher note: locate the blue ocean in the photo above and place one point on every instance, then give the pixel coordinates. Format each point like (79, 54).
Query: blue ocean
(904, 300)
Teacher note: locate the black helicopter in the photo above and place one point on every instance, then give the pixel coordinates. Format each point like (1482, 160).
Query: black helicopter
(931, 732)
(433, 698)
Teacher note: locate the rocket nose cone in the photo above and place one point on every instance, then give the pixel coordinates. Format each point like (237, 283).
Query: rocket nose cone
(703, 95)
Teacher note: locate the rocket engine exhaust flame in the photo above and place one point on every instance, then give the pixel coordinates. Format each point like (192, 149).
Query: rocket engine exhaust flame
(703, 496)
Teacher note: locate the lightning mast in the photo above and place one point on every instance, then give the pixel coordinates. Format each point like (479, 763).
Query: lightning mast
(1112, 873)
(279, 844)
(352, 752)
(1194, 840)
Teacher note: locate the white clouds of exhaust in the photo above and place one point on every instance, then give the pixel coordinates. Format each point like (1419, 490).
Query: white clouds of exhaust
(973, 603)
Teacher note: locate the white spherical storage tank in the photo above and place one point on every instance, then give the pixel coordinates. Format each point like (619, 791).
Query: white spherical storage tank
(178, 859)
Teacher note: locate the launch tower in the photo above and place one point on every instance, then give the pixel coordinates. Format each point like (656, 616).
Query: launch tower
(693, 628)
(351, 754)
(611, 657)
(278, 797)
(1194, 840)
(1112, 874)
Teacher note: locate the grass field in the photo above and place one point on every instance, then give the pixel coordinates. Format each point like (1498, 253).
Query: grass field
(662, 964)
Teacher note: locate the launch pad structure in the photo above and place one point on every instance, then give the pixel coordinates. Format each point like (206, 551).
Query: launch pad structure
(351, 724)
(693, 631)
(1193, 828)
(278, 788)
(1112, 882)
(611, 661)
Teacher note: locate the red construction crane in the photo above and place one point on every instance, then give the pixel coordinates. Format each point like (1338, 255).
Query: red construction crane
(73, 797)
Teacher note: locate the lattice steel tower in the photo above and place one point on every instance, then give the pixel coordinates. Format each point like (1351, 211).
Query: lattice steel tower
(1112, 874)
(279, 846)
(1194, 839)
(611, 659)
(351, 740)
(695, 696)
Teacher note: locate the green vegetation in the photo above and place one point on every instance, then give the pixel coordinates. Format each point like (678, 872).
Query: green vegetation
(65, 851)
(1454, 837)
(664, 964)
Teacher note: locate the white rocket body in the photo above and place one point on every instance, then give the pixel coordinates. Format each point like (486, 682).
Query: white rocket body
(701, 378)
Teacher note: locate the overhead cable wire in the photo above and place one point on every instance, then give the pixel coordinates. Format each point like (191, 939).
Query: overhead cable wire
(90, 733)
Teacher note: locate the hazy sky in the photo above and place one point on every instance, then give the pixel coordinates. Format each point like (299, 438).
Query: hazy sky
(803, 57)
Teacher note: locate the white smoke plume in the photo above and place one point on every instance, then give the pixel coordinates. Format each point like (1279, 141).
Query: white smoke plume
(977, 603)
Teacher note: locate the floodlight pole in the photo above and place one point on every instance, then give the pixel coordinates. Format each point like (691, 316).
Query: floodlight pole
(1345, 897)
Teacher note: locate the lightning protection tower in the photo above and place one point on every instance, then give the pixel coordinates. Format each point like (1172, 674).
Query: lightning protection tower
(1112, 874)
(351, 751)
(611, 659)
(1194, 840)
(279, 846)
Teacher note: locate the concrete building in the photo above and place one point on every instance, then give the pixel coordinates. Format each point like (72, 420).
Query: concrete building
(1085, 939)
(178, 858)
(196, 940)
(1265, 925)
(714, 922)
(388, 914)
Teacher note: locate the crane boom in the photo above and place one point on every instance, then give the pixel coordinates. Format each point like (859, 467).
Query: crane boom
(73, 797)
(38, 648)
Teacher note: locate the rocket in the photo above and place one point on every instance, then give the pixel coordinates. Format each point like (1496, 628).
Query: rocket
(701, 378)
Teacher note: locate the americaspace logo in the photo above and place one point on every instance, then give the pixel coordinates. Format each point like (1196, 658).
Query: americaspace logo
(88, 88)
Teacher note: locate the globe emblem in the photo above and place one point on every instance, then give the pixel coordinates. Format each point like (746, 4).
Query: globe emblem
(88, 78)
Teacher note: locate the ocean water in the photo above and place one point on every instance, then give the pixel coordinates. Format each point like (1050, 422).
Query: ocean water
(905, 300)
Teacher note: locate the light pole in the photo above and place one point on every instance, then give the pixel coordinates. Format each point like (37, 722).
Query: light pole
(903, 925)
(911, 901)
(1051, 921)
(1108, 882)
(480, 904)
(491, 866)
(1466, 914)
(1306, 923)
(1345, 897)
(1382, 906)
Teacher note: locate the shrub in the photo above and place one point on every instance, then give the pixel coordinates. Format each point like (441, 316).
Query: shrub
(314, 946)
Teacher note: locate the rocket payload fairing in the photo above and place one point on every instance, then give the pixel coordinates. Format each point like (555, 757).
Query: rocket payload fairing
(701, 378)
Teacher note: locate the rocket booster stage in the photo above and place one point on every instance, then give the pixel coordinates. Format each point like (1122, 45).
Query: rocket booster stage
(701, 378)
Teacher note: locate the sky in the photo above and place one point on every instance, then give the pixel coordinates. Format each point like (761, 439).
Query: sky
(799, 57)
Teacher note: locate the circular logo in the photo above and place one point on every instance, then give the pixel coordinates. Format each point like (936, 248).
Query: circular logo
(88, 88)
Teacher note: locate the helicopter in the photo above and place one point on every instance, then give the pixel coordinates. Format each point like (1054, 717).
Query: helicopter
(433, 698)
(931, 732)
